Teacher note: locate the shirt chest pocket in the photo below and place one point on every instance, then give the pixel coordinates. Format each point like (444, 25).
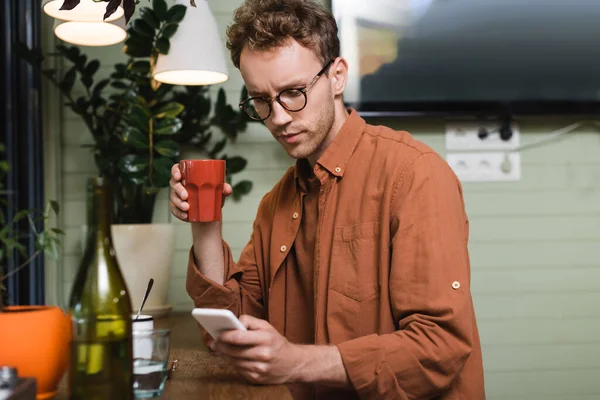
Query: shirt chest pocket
(355, 260)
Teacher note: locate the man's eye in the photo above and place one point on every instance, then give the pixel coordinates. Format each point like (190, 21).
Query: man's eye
(293, 93)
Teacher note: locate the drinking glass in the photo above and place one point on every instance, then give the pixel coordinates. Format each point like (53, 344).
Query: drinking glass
(150, 362)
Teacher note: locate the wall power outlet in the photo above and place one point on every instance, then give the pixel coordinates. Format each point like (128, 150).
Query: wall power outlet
(486, 167)
(467, 136)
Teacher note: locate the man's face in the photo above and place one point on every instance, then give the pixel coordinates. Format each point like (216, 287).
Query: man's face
(303, 134)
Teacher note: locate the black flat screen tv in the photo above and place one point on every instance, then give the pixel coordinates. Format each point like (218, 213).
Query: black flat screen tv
(423, 57)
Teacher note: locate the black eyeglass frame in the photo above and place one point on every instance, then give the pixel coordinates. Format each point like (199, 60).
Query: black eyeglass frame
(269, 100)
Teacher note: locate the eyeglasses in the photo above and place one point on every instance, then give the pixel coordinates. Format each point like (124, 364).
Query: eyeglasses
(293, 99)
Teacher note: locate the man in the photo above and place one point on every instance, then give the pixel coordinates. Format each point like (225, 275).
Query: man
(355, 282)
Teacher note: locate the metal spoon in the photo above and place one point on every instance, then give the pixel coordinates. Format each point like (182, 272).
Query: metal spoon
(148, 288)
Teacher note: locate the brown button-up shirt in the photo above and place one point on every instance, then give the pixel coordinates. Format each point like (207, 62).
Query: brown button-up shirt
(391, 267)
(299, 269)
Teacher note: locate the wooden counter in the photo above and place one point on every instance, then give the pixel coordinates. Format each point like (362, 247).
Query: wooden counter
(200, 374)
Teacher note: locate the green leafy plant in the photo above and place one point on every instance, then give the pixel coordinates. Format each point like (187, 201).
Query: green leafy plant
(111, 6)
(47, 240)
(139, 126)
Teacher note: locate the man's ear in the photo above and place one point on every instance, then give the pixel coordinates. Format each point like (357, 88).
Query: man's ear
(338, 74)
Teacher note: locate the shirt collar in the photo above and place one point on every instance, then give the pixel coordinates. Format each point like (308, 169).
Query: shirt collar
(301, 174)
(338, 154)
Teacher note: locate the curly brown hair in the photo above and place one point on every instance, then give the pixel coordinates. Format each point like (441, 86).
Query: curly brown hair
(267, 24)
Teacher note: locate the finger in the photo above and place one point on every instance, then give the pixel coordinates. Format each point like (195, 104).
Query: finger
(177, 202)
(251, 376)
(245, 353)
(227, 190)
(234, 351)
(210, 343)
(254, 324)
(245, 338)
(246, 366)
(176, 172)
(182, 215)
(180, 190)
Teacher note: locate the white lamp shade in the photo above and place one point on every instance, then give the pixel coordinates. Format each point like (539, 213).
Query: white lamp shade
(86, 11)
(196, 55)
(91, 33)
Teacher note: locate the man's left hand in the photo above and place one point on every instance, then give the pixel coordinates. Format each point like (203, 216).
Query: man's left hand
(260, 354)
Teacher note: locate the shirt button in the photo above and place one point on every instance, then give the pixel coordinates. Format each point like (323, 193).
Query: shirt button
(338, 169)
(283, 248)
(455, 284)
(295, 215)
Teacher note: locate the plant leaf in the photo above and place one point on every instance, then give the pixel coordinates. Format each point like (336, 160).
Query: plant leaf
(169, 30)
(129, 8)
(112, 6)
(192, 3)
(150, 17)
(20, 215)
(138, 178)
(169, 110)
(176, 13)
(244, 94)
(134, 137)
(142, 27)
(71, 53)
(81, 60)
(92, 67)
(120, 71)
(169, 126)
(118, 85)
(69, 5)
(55, 206)
(132, 163)
(219, 146)
(51, 250)
(162, 171)
(136, 47)
(163, 45)
(242, 188)
(141, 67)
(100, 86)
(68, 81)
(139, 117)
(160, 9)
(167, 148)
(87, 81)
(235, 164)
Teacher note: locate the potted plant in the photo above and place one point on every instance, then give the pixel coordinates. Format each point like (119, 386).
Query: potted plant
(31, 333)
(139, 128)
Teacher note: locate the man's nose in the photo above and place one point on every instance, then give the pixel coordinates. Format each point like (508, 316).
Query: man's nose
(279, 115)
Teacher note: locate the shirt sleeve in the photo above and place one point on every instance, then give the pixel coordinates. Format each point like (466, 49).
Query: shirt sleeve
(241, 290)
(429, 292)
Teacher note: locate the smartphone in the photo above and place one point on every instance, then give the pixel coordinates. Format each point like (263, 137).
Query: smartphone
(216, 320)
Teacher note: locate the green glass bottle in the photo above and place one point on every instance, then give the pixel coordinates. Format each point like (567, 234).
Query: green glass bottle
(101, 364)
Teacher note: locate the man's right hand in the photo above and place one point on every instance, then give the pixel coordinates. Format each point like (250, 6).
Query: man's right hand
(178, 204)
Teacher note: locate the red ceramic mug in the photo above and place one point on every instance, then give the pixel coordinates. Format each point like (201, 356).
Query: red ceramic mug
(203, 180)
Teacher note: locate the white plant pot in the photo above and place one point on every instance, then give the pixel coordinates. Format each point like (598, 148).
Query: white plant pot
(145, 251)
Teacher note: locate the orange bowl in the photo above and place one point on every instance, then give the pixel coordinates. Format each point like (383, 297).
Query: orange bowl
(35, 340)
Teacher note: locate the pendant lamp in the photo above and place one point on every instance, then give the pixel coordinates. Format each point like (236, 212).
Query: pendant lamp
(84, 25)
(196, 55)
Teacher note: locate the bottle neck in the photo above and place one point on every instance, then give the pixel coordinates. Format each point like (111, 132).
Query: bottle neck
(100, 210)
